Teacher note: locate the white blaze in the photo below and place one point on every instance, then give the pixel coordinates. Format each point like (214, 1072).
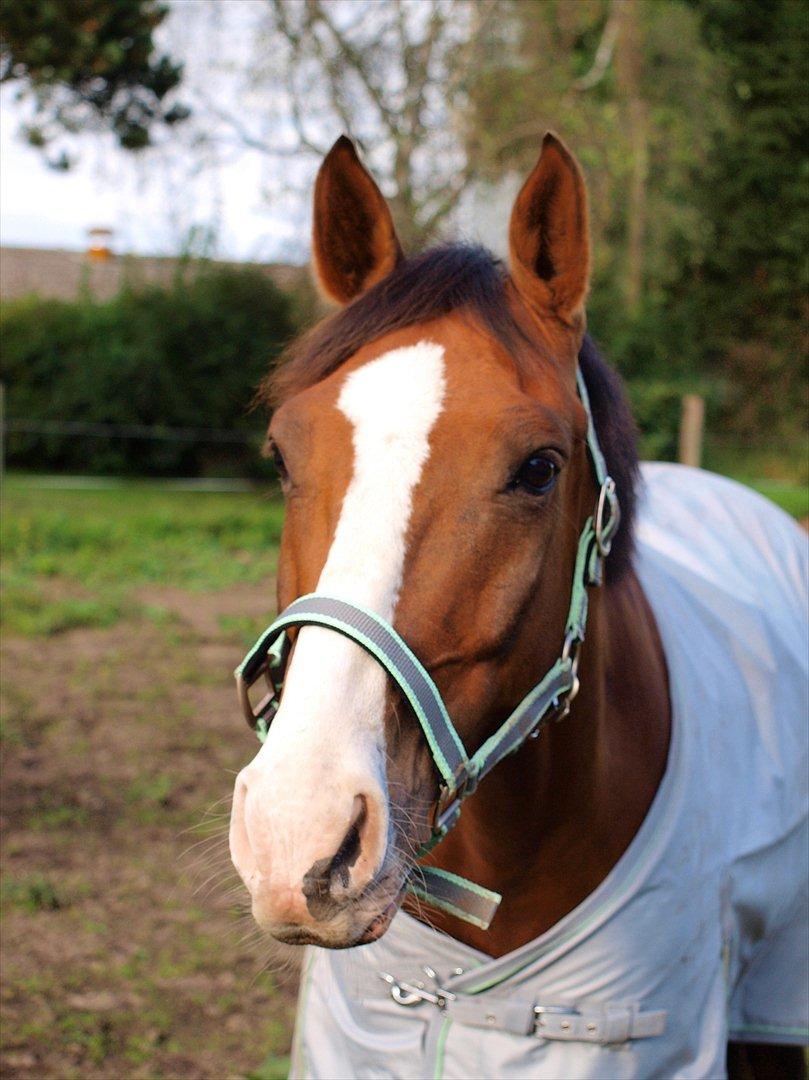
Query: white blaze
(326, 744)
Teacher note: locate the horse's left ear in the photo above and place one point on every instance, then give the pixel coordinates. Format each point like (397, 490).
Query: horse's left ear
(354, 242)
(548, 236)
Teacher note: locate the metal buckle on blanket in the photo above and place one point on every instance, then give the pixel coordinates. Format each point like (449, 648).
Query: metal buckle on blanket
(409, 994)
(541, 1011)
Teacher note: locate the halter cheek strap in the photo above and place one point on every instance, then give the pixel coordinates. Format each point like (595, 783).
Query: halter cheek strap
(460, 773)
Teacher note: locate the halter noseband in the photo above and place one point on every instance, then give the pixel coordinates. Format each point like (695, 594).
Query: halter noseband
(460, 774)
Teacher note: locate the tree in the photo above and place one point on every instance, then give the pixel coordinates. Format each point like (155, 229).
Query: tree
(754, 200)
(189, 356)
(89, 64)
(392, 74)
(631, 86)
(756, 192)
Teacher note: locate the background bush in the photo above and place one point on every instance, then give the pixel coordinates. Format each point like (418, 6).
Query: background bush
(188, 356)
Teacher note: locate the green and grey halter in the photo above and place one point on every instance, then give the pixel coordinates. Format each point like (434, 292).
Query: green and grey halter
(460, 774)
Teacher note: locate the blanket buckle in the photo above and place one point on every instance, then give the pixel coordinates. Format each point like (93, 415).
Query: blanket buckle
(543, 1011)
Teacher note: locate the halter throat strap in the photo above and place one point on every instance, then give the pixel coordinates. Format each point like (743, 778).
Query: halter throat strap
(460, 772)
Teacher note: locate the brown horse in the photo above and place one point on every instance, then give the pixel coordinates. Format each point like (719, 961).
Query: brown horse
(433, 453)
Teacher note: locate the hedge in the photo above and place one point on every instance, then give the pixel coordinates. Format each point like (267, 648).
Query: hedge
(187, 356)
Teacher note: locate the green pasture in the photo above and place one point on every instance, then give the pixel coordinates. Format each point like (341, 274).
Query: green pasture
(128, 949)
(78, 557)
(124, 611)
(794, 498)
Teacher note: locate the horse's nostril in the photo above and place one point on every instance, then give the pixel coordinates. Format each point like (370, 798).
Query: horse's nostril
(328, 875)
(349, 851)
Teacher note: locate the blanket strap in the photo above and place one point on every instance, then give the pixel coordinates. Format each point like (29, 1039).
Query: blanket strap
(604, 1023)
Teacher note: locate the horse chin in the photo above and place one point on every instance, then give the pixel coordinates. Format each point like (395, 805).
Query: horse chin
(354, 925)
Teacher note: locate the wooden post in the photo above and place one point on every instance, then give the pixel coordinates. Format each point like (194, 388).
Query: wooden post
(2, 433)
(692, 421)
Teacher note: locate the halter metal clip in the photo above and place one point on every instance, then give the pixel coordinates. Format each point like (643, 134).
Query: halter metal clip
(571, 650)
(450, 798)
(447, 810)
(606, 527)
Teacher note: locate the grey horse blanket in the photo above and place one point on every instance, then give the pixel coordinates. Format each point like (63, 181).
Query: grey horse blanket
(699, 933)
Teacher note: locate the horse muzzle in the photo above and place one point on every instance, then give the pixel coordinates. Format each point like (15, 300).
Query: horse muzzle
(311, 855)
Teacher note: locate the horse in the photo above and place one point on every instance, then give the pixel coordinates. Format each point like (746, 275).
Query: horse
(622, 896)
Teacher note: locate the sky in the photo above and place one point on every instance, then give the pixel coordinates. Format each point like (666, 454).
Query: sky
(202, 180)
(40, 207)
(152, 201)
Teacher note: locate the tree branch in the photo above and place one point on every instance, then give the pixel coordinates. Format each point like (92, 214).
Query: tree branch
(317, 14)
(605, 50)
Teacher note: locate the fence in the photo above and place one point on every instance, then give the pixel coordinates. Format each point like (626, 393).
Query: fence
(692, 421)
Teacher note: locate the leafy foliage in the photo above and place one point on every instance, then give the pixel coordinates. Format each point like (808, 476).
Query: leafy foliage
(188, 357)
(690, 118)
(754, 198)
(87, 62)
(692, 122)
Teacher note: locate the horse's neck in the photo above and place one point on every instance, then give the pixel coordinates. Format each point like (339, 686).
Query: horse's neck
(550, 822)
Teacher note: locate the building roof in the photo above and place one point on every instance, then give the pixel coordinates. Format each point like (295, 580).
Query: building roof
(52, 272)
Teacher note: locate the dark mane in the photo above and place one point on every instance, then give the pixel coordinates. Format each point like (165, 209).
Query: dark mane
(433, 284)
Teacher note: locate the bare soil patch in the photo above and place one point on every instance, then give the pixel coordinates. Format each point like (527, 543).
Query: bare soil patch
(116, 742)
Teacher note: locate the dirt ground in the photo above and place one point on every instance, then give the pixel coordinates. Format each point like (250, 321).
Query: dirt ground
(126, 947)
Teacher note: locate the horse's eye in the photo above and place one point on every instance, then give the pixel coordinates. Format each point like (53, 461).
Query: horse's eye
(278, 462)
(536, 475)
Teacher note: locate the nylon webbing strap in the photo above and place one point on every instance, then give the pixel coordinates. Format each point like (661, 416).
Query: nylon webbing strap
(454, 894)
(373, 634)
(597, 457)
(526, 718)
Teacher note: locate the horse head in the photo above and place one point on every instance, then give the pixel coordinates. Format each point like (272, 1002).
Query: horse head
(433, 454)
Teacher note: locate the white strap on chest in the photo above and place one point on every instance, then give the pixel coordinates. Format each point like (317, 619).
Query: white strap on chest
(604, 1023)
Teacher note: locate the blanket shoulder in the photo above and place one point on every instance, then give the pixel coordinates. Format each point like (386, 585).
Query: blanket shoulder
(727, 575)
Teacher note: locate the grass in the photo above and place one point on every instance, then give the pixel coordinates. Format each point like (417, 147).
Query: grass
(75, 557)
(31, 893)
(114, 743)
(794, 498)
(125, 954)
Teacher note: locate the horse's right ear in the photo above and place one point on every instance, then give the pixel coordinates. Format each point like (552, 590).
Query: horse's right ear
(548, 238)
(354, 243)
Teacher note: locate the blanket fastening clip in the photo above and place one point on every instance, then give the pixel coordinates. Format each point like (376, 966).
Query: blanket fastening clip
(410, 994)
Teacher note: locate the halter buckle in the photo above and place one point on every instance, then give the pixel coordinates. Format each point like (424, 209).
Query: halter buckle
(606, 527)
(259, 717)
(449, 802)
(446, 814)
(571, 650)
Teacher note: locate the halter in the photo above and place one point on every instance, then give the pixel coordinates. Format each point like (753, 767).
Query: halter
(460, 773)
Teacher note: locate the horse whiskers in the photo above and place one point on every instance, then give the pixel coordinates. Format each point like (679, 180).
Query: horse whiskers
(195, 874)
(217, 878)
(211, 814)
(197, 854)
(283, 962)
(203, 848)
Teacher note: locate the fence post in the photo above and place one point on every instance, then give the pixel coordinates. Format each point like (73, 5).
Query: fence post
(2, 434)
(692, 421)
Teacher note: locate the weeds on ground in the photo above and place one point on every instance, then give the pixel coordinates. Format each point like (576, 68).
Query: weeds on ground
(74, 558)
